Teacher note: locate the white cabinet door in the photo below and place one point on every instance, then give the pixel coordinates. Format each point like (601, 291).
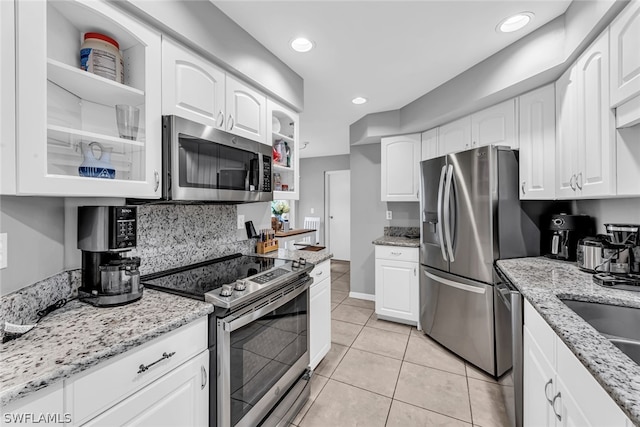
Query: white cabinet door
(283, 126)
(539, 384)
(566, 134)
(537, 144)
(495, 125)
(400, 168)
(625, 54)
(180, 397)
(396, 287)
(7, 99)
(320, 323)
(192, 87)
(429, 144)
(61, 108)
(43, 407)
(454, 136)
(596, 133)
(246, 111)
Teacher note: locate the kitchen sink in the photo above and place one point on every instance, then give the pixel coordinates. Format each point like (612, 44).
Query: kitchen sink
(618, 324)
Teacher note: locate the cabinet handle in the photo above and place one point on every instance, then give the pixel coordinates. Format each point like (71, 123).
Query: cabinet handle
(522, 186)
(231, 122)
(319, 273)
(165, 355)
(204, 377)
(553, 405)
(414, 271)
(157, 177)
(220, 119)
(580, 180)
(396, 253)
(546, 395)
(572, 182)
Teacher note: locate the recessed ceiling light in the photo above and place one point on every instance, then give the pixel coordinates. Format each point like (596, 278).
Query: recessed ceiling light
(515, 22)
(359, 100)
(302, 45)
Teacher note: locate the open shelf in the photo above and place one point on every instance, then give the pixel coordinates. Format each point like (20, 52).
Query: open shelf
(277, 136)
(283, 195)
(91, 87)
(281, 168)
(74, 136)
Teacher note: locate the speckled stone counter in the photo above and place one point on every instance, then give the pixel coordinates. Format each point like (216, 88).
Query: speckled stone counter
(406, 242)
(79, 336)
(311, 256)
(543, 282)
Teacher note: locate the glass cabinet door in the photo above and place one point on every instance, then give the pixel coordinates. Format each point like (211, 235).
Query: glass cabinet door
(69, 142)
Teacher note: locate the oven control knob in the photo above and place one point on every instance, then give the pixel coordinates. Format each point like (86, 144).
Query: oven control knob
(295, 264)
(226, 290)
(241, 285)
(303, 261)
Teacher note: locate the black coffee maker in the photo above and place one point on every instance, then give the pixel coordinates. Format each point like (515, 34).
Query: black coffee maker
(105, 235)
(563, 234)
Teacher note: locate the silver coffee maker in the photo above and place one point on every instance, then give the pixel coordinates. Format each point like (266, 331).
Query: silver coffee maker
(105, 235)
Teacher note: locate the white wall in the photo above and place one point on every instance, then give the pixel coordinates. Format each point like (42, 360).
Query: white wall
(35, 228)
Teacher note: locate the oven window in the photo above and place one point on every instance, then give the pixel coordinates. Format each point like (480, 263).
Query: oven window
(263, 351)
(205, 164)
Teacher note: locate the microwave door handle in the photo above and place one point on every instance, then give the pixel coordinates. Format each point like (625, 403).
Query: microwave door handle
(443, 172)
(447, 212)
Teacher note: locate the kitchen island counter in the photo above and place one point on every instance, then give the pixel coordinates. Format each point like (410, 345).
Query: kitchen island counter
(543, 282)
(78, 336)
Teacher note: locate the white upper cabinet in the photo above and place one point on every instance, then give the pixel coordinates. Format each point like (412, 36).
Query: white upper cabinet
(282, 126)
(400, 168)
(586, 146)
(7, 99)
(429, 144)
(62, 109)
(596, 132)
(537, 144)
(192, 87)
(625, 54)
(246, 111)
(495, 126)
(454, 136)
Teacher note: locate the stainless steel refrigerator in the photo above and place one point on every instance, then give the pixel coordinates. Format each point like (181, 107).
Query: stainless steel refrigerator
(471, 216)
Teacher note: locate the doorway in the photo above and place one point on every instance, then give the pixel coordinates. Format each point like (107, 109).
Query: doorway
(337, 202)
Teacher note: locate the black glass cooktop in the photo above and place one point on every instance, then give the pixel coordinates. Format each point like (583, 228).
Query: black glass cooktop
(195, 280)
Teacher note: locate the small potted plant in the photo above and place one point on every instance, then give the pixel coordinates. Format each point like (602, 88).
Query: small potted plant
(278, 209)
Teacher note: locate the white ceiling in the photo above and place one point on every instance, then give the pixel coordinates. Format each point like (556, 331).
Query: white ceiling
(390, 52)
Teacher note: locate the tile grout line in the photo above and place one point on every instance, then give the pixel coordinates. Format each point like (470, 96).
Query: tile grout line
(466, 372)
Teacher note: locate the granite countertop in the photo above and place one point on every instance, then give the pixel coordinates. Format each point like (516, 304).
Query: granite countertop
(407, 242)
(543, 282)
(79, 336)
(314, 257)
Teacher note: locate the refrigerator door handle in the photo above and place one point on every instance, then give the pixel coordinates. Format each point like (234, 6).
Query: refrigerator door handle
(461, 286)
(447, 212)
(439, 225)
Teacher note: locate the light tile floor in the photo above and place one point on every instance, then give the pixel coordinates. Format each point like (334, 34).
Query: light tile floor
(382, 373)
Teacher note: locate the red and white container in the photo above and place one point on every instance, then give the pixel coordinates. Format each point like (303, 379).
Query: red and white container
(100, 54)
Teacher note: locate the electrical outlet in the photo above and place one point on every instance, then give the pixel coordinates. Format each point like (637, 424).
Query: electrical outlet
(312, 210)
(389, 215)
(240, 222)
(3, 250)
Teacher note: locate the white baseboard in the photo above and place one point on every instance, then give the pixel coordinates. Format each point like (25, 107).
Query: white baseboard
(359, 295)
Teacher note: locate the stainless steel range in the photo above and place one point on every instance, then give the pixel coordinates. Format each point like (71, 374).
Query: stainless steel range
(258, 334)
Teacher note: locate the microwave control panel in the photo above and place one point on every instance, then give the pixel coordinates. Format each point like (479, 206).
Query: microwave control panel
(266, 167)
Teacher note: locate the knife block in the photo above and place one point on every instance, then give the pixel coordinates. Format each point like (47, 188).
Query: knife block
(266, 247)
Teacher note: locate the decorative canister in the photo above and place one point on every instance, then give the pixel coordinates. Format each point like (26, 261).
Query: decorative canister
(100, 54)
(96, 167)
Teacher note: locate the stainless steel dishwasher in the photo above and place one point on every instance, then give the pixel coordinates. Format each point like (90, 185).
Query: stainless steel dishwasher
(510, 300)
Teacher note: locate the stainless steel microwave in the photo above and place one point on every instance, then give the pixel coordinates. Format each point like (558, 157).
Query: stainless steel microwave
(201, 163)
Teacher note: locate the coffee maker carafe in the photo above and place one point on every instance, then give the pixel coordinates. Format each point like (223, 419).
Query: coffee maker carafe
(105, 235)
(564, 233)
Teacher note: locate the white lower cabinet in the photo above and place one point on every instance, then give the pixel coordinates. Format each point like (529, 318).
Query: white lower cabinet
(179, 398)
(320, 317)
(397, 284)
(44, 407)
(558, 389)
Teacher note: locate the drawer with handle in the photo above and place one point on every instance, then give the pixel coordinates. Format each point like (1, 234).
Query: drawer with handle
(320, 272)
(399, 253)
(129, 372)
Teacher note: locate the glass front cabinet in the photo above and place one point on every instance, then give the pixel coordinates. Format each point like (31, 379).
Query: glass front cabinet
(282, 125)
(68, 139)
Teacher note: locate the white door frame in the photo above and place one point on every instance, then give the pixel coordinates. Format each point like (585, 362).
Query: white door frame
(326, 207)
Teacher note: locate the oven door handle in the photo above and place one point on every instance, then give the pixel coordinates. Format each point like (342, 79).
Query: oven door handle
(231, 323)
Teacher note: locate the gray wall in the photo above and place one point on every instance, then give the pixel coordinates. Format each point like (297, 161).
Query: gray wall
(368, 215)
(312, 186)
(625, 211)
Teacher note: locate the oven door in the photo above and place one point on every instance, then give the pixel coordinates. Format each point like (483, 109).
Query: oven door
(262, 352)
